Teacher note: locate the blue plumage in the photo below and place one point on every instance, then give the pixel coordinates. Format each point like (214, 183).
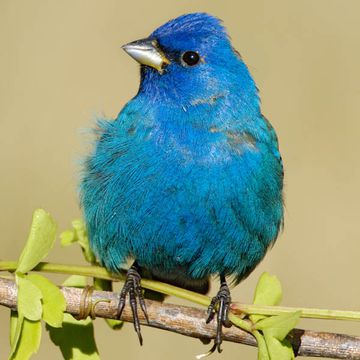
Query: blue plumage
(187, 180)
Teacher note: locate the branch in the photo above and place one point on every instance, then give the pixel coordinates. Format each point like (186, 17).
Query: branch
(101, 273)
(191, 322)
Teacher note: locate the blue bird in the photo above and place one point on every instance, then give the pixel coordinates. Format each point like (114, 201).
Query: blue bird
(187, 180)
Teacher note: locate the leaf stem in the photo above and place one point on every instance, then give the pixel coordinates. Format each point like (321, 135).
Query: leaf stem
(91, 271)
(310, 313)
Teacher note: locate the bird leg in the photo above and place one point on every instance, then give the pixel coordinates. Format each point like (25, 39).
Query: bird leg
(221, 303)
(133, 288)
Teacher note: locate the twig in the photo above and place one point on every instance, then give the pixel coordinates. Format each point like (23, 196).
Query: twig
(191, 322)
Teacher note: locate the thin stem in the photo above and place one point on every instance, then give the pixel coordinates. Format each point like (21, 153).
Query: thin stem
(305, 312)
(242, 324)
(101, 273)
(91, 271)
(175, 291)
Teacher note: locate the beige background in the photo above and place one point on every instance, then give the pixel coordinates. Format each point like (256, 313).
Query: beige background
(61, 66)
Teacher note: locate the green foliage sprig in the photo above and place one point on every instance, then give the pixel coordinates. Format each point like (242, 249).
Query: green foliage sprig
(41, 300)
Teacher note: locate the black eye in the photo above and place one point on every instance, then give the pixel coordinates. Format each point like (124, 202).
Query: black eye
(190, 58)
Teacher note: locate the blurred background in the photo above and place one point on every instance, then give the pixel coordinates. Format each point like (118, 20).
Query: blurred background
(61, 66)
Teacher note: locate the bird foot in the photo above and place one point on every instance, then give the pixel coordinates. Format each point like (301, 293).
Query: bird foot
(133, 288)
(221, 303)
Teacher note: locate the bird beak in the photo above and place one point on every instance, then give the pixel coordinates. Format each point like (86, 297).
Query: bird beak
(147, 52)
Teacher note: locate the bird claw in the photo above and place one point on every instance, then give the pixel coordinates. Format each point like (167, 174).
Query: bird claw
(133, 288)
(221, 302)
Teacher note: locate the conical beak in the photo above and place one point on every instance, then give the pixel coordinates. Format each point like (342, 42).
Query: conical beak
(147, 52)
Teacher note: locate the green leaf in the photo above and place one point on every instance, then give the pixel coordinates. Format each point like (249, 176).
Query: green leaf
(75, 281)
(16, 324)
(40, 241)
(67, 237)
(268, 292)
(279, 350)
(80, 230)
(278, 326)
(274, 328)
(75, 339)
(29, 341)
(103, 284)
(29, 299)
(53, 300)
(262, 348)
(114, 324)
(78, 234)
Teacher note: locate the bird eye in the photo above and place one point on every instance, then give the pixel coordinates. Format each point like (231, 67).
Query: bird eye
(190, 58)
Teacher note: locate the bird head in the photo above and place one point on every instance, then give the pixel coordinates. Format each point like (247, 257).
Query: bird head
(189, 61)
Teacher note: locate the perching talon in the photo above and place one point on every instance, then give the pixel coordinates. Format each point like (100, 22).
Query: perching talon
(133, 288)
(222, 302)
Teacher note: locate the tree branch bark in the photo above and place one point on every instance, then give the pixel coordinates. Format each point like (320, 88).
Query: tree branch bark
(190, 321)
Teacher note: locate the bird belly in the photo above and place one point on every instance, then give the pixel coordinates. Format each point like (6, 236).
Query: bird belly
(188, 229)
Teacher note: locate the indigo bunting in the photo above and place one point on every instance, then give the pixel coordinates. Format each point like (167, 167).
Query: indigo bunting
(187, 180)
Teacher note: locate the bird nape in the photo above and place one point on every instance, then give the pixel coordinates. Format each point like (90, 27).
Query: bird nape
(187, 180)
